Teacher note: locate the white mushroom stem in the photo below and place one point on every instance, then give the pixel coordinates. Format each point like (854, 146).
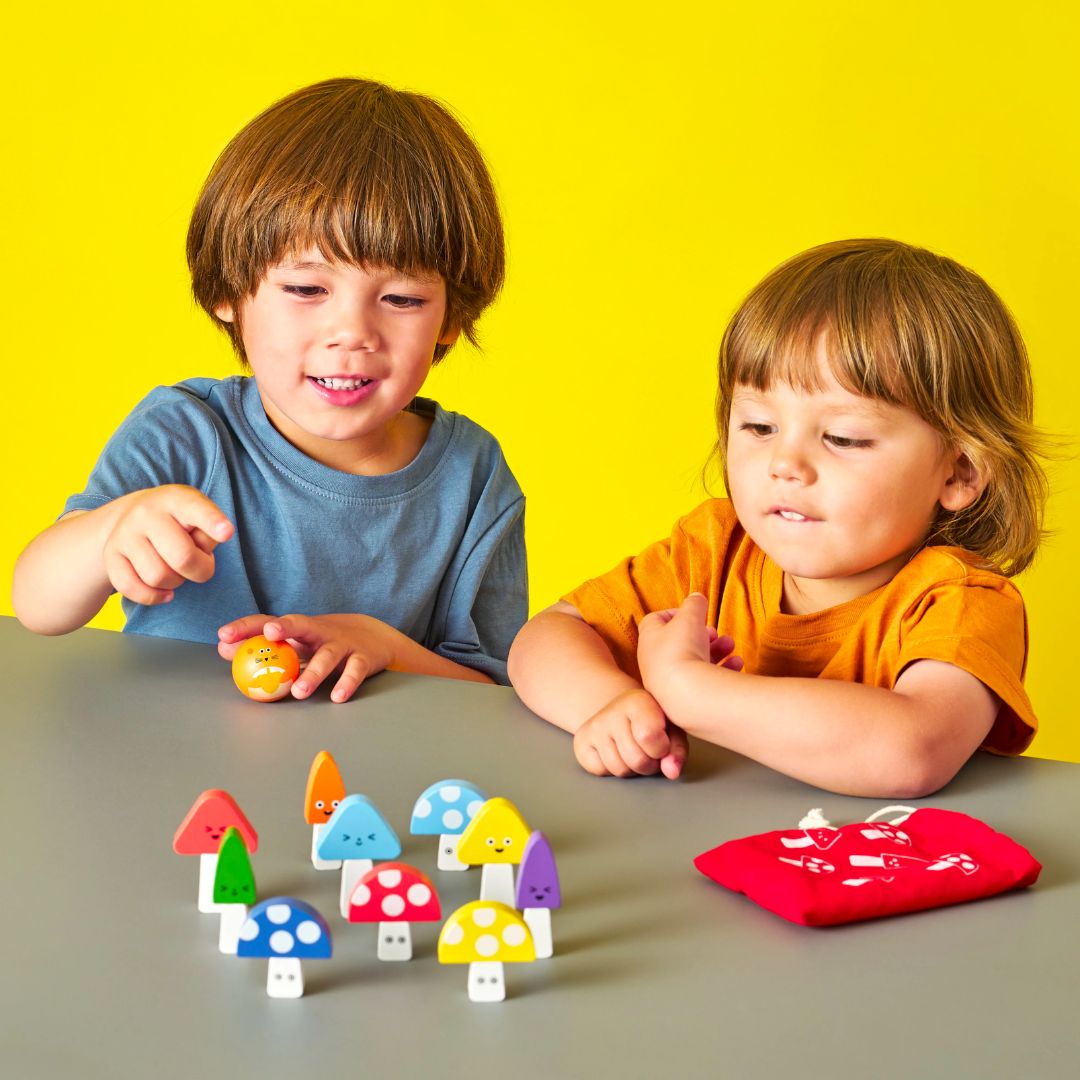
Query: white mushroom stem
(395, 941)
(321, 864)
(448, 860)
(538, 920)
(497, 883)
(284, 979)
(232, 918)
(207, 873)
(486, 981)
(352, 870)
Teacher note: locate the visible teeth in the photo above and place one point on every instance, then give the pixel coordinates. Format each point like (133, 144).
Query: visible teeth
(790, 515)
(343, 384)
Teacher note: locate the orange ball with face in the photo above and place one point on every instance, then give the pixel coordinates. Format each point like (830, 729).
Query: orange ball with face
(265, 670)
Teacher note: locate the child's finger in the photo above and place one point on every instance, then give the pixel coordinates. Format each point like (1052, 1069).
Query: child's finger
(671, 765)
(324, 660)
(357, 669)
(128, 584)
(695, 608)
(649, 733)
(280, 627)
(587, 756)
(193, 510)
(612, 759)
(734, 663)
(633, 755)
(239, 629)
(180, 553)
(151, 569)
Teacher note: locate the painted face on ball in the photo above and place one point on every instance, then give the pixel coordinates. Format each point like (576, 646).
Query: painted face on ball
(265, 670)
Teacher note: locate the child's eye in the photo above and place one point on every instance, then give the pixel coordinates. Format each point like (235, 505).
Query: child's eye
(758, 430)
(306, 291)
(843, 442)
(397, 301)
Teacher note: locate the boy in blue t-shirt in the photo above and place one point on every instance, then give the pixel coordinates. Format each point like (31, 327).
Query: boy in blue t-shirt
(344, 239)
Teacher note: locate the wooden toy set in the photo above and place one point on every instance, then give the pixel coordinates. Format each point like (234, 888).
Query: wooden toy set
(509, 923)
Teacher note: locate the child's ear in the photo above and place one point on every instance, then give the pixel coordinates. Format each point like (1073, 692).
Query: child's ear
(449, 335)
(224, 312)
(964, 484)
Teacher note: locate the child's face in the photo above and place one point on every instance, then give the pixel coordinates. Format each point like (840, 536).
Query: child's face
(837, 489)
(338, 351)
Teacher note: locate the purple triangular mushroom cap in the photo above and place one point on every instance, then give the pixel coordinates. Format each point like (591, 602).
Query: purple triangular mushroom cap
(538, 878)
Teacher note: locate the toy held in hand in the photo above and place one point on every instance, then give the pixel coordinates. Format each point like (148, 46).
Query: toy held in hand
(265, 670)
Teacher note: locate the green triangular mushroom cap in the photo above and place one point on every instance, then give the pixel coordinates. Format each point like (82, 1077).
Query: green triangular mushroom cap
(234, 883)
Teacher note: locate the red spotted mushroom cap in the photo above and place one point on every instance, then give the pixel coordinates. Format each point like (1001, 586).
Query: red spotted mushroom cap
(394, 892)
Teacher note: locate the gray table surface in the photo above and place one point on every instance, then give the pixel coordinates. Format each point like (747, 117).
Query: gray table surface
(109, 971)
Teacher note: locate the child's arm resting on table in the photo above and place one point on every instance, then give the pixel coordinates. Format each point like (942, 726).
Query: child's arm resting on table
(142, 545)
(564, 672)
(846, 737)
(355, 645)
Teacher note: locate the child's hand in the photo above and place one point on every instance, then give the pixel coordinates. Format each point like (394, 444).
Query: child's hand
(161, 538)
(672, 638)
(631, 735)
(355, 646)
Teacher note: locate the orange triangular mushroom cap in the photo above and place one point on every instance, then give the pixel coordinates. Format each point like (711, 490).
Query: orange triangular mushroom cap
(324, 784)
(210, 815)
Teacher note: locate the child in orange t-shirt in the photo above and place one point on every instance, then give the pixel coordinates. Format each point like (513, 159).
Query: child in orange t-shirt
(875, 425)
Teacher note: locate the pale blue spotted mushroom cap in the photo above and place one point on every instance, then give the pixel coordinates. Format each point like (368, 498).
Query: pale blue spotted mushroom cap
(356, 830)
(446, 808)
(286, 927)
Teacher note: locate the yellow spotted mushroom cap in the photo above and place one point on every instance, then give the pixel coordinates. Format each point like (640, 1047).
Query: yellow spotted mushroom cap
(485, 930)
(496, 835)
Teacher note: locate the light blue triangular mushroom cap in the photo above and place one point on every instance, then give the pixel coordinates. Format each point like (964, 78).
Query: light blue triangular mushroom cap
(286, 927)
(356, 830)
(446, 807)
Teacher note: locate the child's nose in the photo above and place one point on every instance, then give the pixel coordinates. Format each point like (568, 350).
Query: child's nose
(790, 462)
(354, 328)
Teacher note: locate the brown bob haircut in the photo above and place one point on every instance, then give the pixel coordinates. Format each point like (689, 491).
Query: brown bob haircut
(915, 329)
(367, 175)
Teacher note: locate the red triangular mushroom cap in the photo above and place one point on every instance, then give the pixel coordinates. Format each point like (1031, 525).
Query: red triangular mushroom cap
(210, 815)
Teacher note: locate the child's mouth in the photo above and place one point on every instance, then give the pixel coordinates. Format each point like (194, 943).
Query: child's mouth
(342, 390)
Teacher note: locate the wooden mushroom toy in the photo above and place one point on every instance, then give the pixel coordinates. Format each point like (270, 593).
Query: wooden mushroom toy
(394, 895)
(538, 891)
(445, 810)
(495, 839)
(201, 833)
(323, 795)
(285, 931)
(485, 935)
(357, 834)
(234, 888)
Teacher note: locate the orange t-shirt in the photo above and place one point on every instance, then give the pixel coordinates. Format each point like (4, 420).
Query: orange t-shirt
(938, 607)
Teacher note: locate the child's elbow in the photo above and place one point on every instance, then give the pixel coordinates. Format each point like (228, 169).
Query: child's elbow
(917, 774)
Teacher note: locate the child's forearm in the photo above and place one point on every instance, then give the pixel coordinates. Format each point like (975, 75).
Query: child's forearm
(846, 737)
(411, 656)
(60, 582)
(562, 669)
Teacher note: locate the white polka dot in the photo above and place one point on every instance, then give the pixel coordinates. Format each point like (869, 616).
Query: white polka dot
(514, 934)
(393, 906)
(281, 941)
(422, 808)
(249, 931)
(454, 934)
(389, 879)
(419, 894)
(278, 914)
(473, 807)
(487, 944)
(361, 895)
(309, 932)
(452, 819)
(484, 916)
(450, 794)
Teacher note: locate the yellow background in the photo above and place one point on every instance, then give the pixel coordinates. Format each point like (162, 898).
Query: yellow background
(653, 163)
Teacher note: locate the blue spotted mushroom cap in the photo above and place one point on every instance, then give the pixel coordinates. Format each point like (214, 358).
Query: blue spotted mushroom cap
(446, 808)
(356, 830)
(286, 927)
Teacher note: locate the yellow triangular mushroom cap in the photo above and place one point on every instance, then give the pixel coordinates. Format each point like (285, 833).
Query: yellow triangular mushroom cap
(485, 930)
(496, 835)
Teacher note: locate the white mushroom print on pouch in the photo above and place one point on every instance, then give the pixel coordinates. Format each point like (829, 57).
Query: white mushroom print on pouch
(445, 810)
(485, 935)
(495, 839)
(285, 931)
(394, 895)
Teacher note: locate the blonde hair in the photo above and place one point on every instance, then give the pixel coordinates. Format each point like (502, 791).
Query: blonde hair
(365, 173)
(914, 329)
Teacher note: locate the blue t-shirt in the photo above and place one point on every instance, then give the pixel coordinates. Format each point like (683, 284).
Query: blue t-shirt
(436, 549)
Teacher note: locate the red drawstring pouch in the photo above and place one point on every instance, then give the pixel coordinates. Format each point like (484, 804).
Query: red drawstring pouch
(818, 875)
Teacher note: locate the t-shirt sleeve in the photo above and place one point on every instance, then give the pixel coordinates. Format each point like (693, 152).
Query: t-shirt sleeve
(660, 577)
(166, 439)
(980, 626)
